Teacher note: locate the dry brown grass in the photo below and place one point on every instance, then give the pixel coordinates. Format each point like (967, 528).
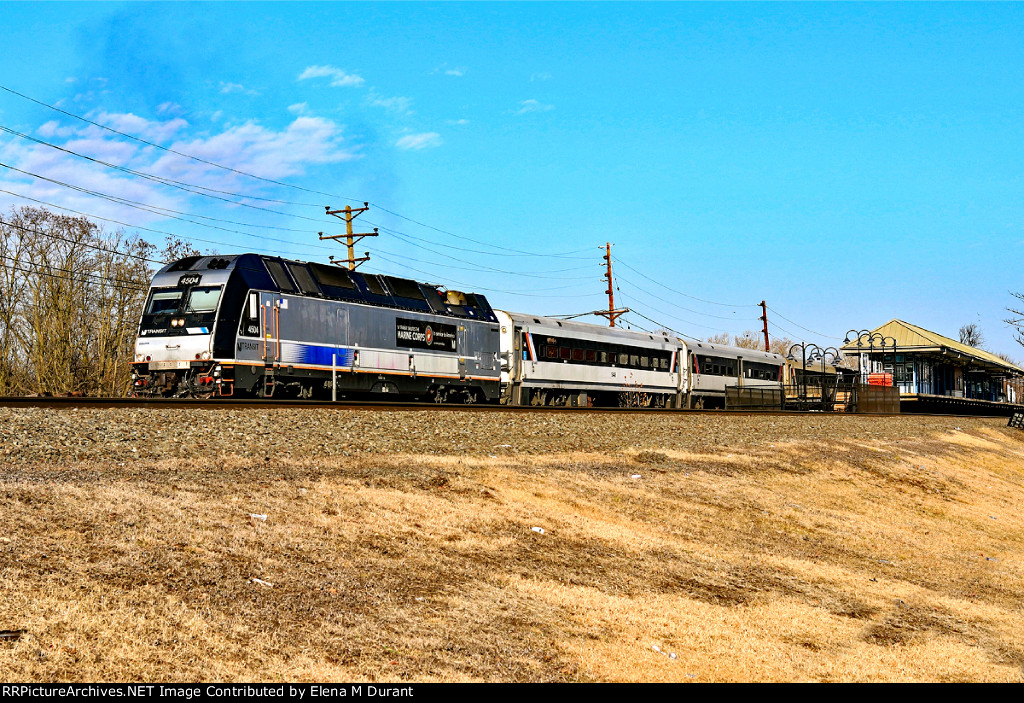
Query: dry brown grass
(847, 559)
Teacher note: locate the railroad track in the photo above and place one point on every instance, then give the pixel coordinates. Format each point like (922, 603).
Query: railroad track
(58, 402)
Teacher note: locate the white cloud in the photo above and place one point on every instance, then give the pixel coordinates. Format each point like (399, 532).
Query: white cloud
(397, 104)
(54, 129)
(531, 105)
(540, 77)
(168, 108)
(249, 147)
(227, 88)
(419, 141)
(255, 149)
(458, 122)
(298, 108)
(458, 72)
(338, 77)
(151, 130)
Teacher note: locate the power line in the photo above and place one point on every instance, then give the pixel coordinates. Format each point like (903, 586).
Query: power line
(474, 286)
(155, 209)
(676, 317)
(826, 336)
(84, 244)
(169, 150)
(668, 302)
(275, 182)
(190, 239)
(180, 185)
(113, 282)
(685, 295)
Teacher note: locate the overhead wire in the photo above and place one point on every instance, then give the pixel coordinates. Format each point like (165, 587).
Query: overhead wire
(825, 336)
(281, 183)
(474, 286)
(189, 238)
(80, 243)
(215, 193)
(685, 295)
(114, 282)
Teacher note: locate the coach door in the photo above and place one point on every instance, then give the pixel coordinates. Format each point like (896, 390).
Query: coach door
(270, 327)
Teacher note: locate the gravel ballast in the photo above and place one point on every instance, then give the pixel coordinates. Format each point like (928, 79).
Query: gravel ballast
(35, 434)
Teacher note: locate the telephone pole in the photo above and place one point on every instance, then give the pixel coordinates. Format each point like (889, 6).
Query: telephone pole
(764, 318)
(611, 313)
(349, 214)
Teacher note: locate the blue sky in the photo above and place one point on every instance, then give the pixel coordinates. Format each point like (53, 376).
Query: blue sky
(848, 163)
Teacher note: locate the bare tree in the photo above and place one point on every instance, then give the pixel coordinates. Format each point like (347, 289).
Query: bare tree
(753, 340)
(176, 248)
(70, 300)
(970, 334)
(1017, 321)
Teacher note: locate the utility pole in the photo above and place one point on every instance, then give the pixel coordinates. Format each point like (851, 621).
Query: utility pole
(764, 318)
(612, 313)
(349, 214)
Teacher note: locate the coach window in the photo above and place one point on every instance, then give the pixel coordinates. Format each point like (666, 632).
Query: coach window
(552, 352)
(624, 359)
(577, 354)
(563, 353)
(644, 362)
(591, 355)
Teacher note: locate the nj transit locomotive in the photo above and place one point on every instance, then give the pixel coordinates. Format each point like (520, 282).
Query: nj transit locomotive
(252, 325)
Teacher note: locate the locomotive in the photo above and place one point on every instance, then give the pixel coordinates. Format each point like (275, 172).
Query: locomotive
(250, 325)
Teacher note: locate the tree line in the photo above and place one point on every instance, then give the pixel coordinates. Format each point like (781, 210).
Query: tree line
(71, 294)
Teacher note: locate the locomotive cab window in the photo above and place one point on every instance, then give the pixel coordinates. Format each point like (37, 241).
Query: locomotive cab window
(164, 302)
(203, 299)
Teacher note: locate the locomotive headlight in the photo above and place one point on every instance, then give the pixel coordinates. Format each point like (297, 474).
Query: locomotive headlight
(205, 356)
(140, 357)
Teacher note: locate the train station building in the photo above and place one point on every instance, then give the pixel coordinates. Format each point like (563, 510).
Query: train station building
(935, 373)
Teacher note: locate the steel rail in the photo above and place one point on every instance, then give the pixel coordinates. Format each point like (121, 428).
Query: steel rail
(59, 402)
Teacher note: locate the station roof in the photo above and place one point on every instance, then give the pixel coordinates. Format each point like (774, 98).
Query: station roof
(911, 338)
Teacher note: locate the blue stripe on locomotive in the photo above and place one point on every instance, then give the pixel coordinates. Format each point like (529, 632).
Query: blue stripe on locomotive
(295, 353)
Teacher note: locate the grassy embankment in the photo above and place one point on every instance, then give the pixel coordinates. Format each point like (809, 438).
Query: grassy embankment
(838, 558)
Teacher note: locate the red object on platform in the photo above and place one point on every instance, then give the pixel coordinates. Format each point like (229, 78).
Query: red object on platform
(879, 379)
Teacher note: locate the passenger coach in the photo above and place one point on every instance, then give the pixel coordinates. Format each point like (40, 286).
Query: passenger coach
(547, 361)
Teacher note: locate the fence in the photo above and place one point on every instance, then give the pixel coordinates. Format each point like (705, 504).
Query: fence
(833, 396)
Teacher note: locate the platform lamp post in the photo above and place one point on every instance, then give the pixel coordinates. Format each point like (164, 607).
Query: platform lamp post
(804, 346)
(860, 335)
(836, 355)
(893, 340)
(789, 355)
(883, 343)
